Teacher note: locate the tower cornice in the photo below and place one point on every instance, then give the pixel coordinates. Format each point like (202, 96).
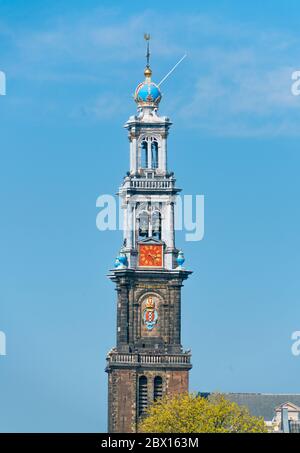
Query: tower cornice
(165, 274)
(138, 124)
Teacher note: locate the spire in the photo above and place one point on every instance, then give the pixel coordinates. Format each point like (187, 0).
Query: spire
(147, 71)
(147, 94)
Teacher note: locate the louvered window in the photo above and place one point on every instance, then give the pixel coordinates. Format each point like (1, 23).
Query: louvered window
(157, 388)
(143, 395)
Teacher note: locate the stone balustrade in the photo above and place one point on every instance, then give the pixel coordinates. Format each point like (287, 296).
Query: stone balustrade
(149, 359)
(144, 183)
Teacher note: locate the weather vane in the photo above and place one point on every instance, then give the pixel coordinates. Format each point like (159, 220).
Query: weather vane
(147, 38)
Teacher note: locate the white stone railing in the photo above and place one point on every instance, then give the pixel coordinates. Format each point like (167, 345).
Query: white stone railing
(151, 184)
(149, 359)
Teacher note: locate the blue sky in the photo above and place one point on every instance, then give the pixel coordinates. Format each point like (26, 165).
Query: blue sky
(71, 70)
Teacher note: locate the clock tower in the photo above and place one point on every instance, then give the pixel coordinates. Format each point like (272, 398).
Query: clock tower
(148, 360)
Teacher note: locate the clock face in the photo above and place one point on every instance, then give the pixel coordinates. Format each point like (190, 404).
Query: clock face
(150, 255)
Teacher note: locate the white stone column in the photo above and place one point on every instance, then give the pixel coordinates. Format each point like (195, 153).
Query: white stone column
(166, 155)
(131, 155)
(134, 226)
(163, 155)
(168, 227)
(134, 148)
(149, 151)
(125, 220)
(160, 159)
(172, 231)
(129, 226)
(166, 224)
(150, 223)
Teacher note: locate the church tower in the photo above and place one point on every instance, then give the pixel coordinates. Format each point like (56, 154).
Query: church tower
(148, 360)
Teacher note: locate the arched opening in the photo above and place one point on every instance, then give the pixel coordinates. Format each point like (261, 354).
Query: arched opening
(143, 225)
(156, 225)
(154, 153)
(157, 390)
(143, 395)
(144, 154)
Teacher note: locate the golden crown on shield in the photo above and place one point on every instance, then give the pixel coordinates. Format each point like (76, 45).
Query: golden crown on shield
(150, 303)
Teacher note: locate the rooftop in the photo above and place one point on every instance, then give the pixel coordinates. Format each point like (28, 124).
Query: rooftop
(260, 404)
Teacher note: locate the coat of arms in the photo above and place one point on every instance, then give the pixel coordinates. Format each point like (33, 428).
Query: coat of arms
(150, 315)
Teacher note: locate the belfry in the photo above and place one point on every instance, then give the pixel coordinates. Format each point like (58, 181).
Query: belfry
(148, 360)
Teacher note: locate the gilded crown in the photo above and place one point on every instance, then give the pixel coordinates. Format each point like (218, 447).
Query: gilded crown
(150, 303)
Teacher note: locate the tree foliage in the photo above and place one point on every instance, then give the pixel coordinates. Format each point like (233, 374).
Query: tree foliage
(189, 413)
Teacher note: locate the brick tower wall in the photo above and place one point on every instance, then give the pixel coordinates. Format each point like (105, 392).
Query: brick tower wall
(123, 393)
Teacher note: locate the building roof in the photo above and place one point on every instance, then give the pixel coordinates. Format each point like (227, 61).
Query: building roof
(260, 404)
